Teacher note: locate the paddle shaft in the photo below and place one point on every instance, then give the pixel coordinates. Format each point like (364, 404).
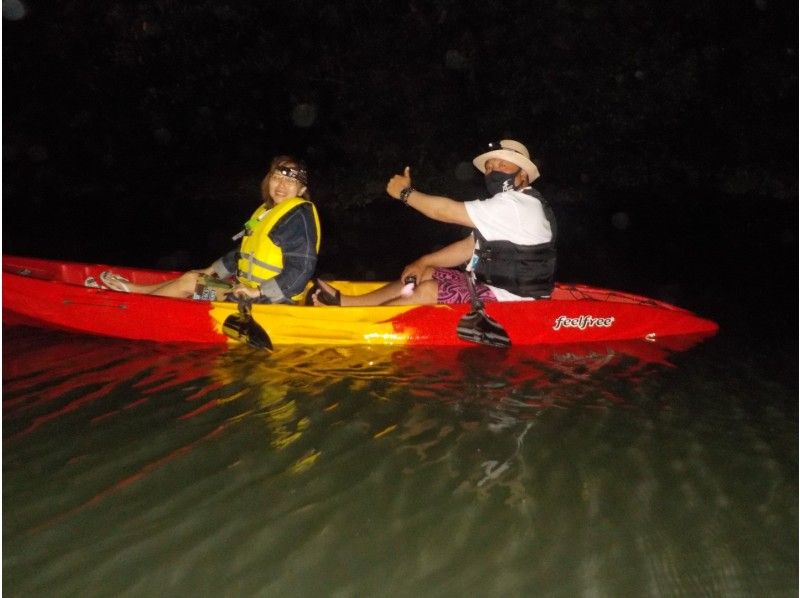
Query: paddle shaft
(473, 294)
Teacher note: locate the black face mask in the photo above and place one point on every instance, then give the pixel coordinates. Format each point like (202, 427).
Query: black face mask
(497, 181)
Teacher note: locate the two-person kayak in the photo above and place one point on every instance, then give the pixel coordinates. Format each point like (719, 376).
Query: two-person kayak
(54, 294)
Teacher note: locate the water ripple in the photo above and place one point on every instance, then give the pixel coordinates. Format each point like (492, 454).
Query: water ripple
(134, 469)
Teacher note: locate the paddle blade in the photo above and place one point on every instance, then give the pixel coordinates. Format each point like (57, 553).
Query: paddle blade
(477, 327)
(245, 329)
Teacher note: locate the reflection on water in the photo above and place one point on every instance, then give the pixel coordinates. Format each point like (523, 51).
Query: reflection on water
(142, 470)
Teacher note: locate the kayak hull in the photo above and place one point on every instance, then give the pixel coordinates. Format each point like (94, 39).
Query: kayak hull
(53, 294)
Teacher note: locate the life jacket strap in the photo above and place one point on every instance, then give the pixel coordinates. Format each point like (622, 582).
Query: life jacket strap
(253, 261)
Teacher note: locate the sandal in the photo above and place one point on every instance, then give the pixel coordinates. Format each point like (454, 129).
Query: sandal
(115, 282)
(323, 296)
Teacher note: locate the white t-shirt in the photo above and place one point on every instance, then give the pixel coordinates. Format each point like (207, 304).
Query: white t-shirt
(510, 216)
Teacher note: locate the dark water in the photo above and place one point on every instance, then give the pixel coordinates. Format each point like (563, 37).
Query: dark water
(132, 469)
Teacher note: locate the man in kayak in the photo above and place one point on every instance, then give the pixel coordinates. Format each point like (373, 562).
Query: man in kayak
(511, 249)
(278, 252)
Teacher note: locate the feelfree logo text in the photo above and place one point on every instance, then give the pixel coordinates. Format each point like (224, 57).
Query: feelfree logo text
(582, 322)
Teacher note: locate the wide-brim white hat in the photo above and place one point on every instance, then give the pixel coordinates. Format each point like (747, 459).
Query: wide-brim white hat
(510, 151)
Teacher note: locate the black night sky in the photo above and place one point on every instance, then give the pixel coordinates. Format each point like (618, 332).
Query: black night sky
(136, 133)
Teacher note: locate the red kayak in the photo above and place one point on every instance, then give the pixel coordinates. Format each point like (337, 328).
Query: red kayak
(54, 294)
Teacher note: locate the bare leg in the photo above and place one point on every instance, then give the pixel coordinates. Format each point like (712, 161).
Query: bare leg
(177, 287)
(376, 297)
(389, 294)
(180, 287)
(426, 293)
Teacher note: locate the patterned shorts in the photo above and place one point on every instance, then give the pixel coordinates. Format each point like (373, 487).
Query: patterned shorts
(453, 287)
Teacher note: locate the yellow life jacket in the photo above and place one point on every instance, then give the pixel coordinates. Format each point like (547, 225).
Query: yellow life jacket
(261, 259)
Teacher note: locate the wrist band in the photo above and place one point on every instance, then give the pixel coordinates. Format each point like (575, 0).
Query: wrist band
(405, 193)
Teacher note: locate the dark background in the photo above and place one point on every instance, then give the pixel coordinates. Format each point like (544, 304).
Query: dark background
(136, 133)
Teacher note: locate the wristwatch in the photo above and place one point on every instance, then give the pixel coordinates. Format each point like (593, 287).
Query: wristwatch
(405, 193)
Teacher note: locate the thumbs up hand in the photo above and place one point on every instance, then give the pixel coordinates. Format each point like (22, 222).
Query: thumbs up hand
(399, 182)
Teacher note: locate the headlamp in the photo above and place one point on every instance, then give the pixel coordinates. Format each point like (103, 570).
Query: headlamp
(294, 172)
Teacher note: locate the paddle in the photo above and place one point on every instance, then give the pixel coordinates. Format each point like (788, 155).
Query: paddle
(242, 327)
(477, 326)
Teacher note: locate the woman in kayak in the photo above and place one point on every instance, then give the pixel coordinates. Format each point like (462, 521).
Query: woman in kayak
(278, 251)
(511, 249)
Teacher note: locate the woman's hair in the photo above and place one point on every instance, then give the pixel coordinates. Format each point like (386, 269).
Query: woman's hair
(300, 170)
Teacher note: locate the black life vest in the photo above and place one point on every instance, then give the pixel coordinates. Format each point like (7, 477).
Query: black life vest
(525, 270)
